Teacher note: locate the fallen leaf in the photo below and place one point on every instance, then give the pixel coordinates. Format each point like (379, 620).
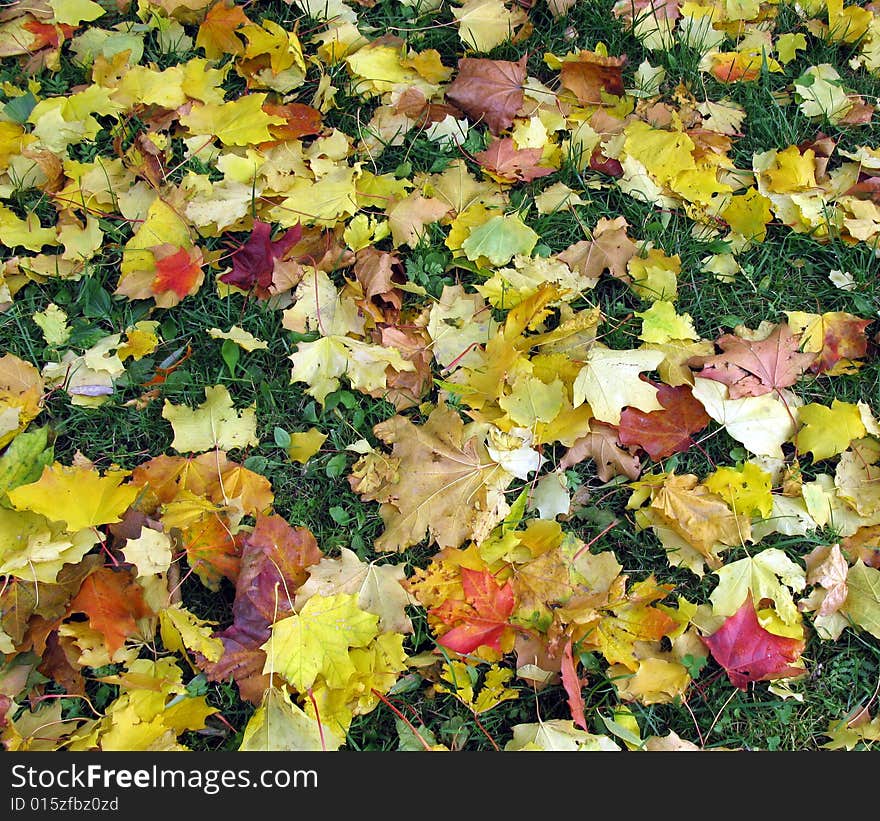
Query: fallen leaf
(378, 588)
(602, 445)
(664, 432)
(572, 684)
(755, 368)
(452, 489)
(749, 653)
(215, 424)
(79, 497)
(482, 618)
(114, 602)
(490, 91)
(253, 263)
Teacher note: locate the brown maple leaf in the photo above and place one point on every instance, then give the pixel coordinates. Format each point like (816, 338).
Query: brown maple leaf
(22, 601)
(748, 652)
(489, 91)
(505, 163)
(406, 388)
(610, 250)
(379, 274)
(590, 74)
(601, 445)
(59, 662)
(664, 432)
(753, 368)
(446, 487)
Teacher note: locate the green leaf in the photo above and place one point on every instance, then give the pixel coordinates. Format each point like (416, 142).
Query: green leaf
(336, 465)
(24, 459)
(499, 240)
(95, 300)
(282, 437)
(231, 354)
(18, 109)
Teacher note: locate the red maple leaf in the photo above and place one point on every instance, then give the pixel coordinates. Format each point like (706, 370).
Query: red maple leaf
(754, 368)
(484, 613)
(507, 163)
(490, 91)
(664, 432)
(253, 263)
(179, 270)
(273, 565)
(48, 34)
(572, 685)
(748, 652)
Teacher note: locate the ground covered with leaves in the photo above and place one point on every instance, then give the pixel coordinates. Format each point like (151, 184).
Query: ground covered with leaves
(430, 375)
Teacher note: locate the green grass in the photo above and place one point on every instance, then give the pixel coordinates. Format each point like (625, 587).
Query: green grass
(788, 271)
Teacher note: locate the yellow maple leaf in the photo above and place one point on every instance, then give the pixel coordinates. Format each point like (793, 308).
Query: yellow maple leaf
(150, 553)
(305, 444)
(661, 323)
(484, 24)
(182, 630)
(609, 381)
(378, 588)
(456, 679)
(279, 725)
(78, 496)
(245, 340)
(826, 431)
(769, 575)
(321, 363)
(21, 395)
(746, 489)
(27, 233)
(532, 401)
(36, 549)
(238, 122)
(317, 640)
(216, 423)
(557, 735)
(376, 669)
(153, 708)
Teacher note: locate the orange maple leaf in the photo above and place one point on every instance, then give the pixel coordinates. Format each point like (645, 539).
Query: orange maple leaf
(178, 270)
(113, 601)
(484, 613)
